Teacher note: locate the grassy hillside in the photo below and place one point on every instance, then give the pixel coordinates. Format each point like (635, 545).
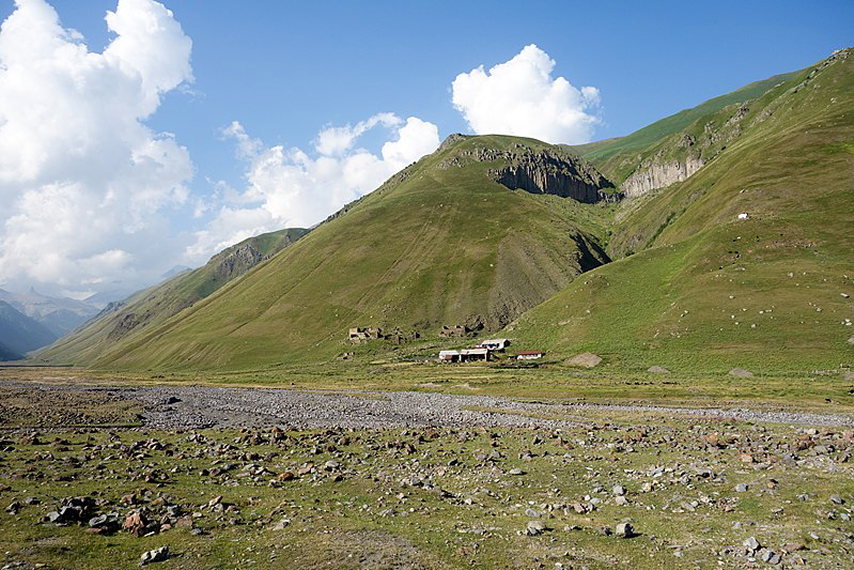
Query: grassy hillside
(695, 288)
(152, 306)
(613, 155)
(709, 291)
(439, 243)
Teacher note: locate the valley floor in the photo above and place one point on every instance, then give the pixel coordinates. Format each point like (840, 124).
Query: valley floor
(94, 475)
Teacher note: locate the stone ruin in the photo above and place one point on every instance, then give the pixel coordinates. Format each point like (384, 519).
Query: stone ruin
(359, 335)
(451, 331)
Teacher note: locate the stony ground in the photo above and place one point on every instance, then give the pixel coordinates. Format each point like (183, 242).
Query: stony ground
(412, 480)
(183, 407)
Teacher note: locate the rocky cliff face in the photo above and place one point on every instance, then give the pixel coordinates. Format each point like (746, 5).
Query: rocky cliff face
(237, 261)
(545, 173)
(659, 175)
(549, 171)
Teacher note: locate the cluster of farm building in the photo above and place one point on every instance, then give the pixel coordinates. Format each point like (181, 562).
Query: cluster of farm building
(485, 350)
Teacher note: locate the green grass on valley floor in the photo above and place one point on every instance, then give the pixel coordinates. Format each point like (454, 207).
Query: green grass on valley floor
(437, 498)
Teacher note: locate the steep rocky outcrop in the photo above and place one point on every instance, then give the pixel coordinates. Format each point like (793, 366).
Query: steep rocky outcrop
(539, 171)
(660, 175)
(237, 261)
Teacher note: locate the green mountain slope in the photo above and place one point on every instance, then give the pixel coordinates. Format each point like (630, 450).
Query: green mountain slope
(709, 291)
(150, 307)
(603, 153)
(19, 333)
(442, 242)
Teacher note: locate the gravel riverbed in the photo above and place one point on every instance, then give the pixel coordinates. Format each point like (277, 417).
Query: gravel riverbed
(176, 407)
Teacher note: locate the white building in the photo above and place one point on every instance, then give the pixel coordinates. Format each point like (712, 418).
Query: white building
(495, 343)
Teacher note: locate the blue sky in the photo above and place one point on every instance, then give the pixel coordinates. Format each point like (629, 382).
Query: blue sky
(286, 70)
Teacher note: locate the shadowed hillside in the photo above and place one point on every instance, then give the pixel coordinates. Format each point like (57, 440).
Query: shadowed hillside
(19, 333)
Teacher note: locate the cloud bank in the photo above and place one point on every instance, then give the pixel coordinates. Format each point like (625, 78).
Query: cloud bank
(82, 179)
(520, 97)
(291, 188)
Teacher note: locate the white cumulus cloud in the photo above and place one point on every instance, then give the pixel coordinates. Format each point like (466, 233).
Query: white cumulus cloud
(520, 97)
(83, 180)
(290, 188)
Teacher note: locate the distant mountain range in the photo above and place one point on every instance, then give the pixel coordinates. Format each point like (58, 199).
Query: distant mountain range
(58, 314)
(19, 334)
(714, 238)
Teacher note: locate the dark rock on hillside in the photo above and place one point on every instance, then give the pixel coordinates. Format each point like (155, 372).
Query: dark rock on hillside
(544, 171)
(127, 323)
(451, 140)
(237, 261)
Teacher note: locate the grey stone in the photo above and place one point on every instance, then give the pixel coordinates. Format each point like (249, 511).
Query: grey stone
(742, 488)
(98, 521)
(156, 555)
(624, 530)
(741, 373)
(837, 500)
(752, 544)
(534, 528)
(282, 524)
(585, 360)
